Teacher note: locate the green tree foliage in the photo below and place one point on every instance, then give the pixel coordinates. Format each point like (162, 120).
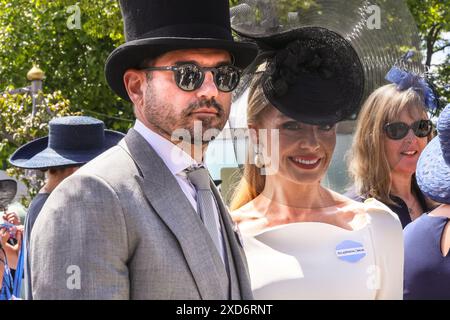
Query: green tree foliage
(433, 21)
(443, 80)
(45, 32)
(19, 127)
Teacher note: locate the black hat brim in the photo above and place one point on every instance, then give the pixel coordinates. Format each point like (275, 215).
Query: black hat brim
(129, 55)
(378, 47)
(312, 98)
(38, 156)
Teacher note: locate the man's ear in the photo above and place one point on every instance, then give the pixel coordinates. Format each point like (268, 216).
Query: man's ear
(134, 81)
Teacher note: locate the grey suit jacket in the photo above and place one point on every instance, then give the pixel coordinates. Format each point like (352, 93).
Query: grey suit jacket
(121, 228)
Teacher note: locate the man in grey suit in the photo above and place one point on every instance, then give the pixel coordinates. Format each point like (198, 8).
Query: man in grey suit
(139, 221)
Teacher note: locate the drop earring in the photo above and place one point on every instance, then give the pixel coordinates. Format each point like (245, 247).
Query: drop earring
(259, 159)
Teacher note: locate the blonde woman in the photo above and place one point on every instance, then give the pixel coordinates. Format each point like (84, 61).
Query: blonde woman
(302, 240)
(392, 130)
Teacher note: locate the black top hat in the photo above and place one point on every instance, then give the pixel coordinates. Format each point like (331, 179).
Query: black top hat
(153, 27)
(72, 141)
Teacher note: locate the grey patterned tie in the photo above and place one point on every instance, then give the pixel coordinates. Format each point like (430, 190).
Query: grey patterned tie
(206, 204)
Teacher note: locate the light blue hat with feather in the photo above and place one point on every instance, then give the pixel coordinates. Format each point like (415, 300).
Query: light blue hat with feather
(433, 167)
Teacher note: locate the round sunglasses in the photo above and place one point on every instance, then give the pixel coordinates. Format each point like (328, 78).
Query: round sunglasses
(399, 130)
(190, 77)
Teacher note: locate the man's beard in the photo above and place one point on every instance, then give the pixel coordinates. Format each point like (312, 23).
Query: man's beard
(162, 116)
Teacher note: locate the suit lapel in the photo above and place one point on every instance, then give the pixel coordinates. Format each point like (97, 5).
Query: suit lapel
(168, 200)
(237, 251)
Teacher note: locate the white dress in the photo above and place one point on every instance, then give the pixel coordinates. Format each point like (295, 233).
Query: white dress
(314, 260)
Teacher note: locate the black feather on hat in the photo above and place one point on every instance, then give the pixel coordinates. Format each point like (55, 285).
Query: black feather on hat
(316, 77)
(322, 58)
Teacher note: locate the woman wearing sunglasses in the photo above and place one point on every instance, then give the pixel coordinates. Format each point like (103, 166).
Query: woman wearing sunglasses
(392, 130)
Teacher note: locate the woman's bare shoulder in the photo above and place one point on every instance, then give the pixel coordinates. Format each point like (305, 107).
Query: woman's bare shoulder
(245, 213)
(441, 211)
(249, 219)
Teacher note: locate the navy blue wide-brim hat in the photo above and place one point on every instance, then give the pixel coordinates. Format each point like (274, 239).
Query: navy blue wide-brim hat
(72, 141)
(433, 167)
(154, 27)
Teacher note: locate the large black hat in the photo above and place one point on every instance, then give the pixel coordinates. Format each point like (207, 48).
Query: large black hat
(320, 59)
(315, 76)
(153, 27)
(72, 141)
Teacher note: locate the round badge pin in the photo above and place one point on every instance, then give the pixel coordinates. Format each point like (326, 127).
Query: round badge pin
(350, 251)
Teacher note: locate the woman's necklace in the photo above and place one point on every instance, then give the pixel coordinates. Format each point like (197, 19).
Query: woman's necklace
(413, 213)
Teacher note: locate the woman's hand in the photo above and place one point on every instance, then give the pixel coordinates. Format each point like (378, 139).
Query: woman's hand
(19, 236)
(12, 251)
(12, 218)
(4, 237)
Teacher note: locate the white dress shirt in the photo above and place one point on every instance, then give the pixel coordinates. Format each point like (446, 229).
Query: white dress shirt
(177, 161)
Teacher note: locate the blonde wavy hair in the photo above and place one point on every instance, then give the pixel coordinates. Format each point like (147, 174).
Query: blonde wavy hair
(252, 182)
(368, 164)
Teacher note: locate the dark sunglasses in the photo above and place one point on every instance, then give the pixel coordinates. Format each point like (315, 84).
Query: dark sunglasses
(399, 130)
(189, 76)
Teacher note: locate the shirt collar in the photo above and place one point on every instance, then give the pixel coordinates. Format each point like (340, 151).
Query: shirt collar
(174, 157)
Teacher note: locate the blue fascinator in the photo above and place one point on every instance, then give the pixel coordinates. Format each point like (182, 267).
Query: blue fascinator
(406, 79)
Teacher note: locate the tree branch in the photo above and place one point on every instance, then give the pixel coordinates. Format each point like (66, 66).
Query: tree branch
(431, 31)
(441, 48)
(431, 40)
(436, 33)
